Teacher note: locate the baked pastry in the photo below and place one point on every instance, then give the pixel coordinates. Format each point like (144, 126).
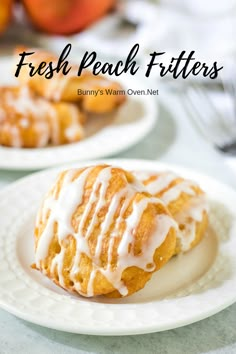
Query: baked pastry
(186, 202)
(67, 123)
(29, 121)
(99, 233)
(70, 87)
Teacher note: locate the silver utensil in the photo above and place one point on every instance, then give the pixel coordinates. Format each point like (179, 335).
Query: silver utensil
(218, 127)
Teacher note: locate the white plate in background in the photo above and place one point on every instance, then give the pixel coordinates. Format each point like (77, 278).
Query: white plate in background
(189, 288)
(106, 135)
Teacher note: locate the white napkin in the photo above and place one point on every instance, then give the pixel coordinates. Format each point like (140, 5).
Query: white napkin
(208, 27)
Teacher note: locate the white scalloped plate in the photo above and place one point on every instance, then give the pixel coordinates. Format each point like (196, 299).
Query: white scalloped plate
(189, 288)
(105, 135)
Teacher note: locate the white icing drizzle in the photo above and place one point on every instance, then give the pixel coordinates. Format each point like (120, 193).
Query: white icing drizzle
(22, 102)
(127, 259)
(2, 114)
(16, 138)
(75, 128)
(62, 209)
(32, 111)
(57, 85)
(43, 133)
(189, 217)
(54, 125)
(37, 116)
(174, 192)
(143, 175)
(161, 183)
(57, 262)
(24, 122)
(191, 214)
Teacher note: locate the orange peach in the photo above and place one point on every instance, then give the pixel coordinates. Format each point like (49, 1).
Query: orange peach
(65, 17)
(5, 13)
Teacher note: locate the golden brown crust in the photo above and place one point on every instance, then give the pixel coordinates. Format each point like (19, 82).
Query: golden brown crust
(181, 205)
(161, 256)
(200, 232)
(29, 121)
(133, 277)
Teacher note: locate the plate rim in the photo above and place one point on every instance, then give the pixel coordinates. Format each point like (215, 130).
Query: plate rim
(121, 331)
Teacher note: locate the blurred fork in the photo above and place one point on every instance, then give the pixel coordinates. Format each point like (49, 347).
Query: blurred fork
(217, 127)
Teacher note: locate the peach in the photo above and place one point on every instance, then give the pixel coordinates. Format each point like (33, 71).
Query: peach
(63, 16)
(5, 13)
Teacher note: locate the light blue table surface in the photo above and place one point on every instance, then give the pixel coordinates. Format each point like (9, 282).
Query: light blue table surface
(173, 140)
